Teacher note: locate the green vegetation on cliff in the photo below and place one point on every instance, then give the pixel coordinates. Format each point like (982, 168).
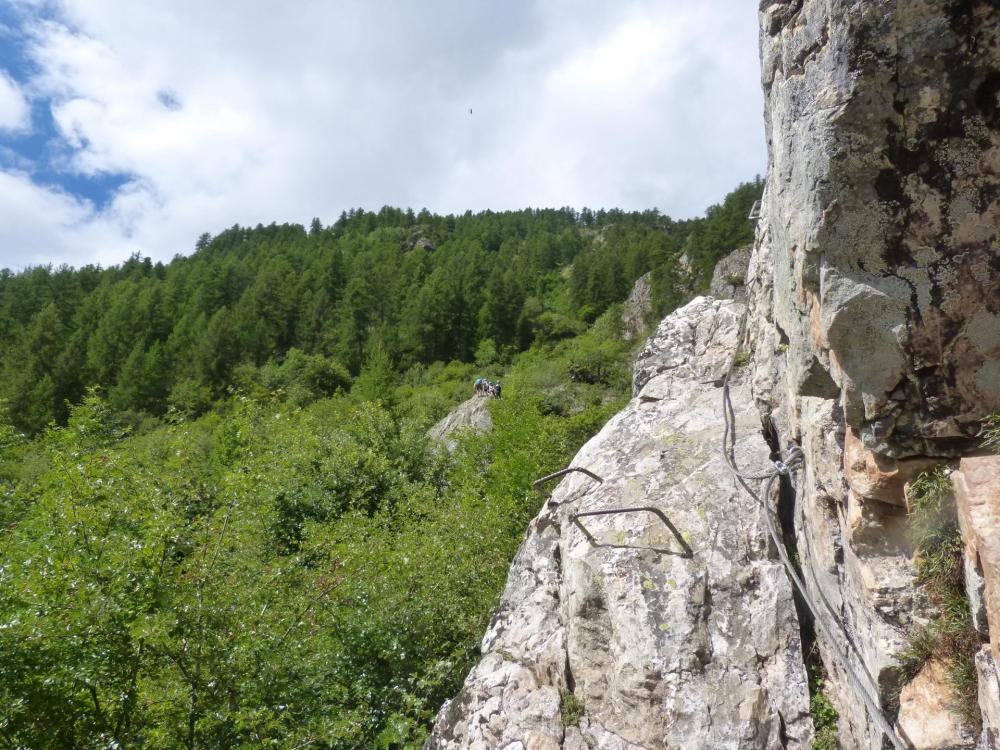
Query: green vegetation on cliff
(222, 523)
(371, 296)
(268, 574)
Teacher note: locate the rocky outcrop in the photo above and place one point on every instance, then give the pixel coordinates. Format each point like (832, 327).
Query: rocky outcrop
(729, 276)
(473, 414)
(637, 308)
(690, 347)
(671, 626)
(874, 293)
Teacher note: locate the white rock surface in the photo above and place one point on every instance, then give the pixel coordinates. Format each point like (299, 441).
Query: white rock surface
(926, 715)
(662, 650)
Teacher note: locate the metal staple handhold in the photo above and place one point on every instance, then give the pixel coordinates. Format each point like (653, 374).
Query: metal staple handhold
(537, 484)
(575, 518)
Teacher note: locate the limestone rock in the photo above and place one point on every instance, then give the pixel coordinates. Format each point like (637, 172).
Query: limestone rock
(473, 414)
(637, 308)
(926, 715)
(874, 290)
(729, 276)
(882, 210)
(877, 477)
(977, 494)
(662, 647)
(697, 345)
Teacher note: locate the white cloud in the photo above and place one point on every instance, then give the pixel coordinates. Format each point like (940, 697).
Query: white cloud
(15, 113)
(230, 112)
(52, 227)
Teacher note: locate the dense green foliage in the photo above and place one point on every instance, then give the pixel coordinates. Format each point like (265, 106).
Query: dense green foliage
(379, 291)
(221, 521)
(268, 575)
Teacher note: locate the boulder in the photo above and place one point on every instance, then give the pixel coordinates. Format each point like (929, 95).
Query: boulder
(473, 414)
(926, 715)
(874, 476)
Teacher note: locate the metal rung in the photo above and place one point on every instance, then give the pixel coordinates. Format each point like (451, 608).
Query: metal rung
(754, 211)
(688, 552)
(537, 484)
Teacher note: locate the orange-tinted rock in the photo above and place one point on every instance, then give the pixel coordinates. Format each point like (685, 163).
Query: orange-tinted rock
(876, 528)
(877, 477)
(977, 494)
(925, 712)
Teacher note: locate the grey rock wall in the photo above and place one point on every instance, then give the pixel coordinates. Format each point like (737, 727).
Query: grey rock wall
(874, 289)
(637, 308)
(658, 647)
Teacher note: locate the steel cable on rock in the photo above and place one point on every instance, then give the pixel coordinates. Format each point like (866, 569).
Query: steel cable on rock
(790, 461)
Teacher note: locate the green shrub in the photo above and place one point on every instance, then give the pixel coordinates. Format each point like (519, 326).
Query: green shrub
(571, 708)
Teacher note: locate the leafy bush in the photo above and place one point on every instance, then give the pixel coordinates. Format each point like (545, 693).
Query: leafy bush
(265, 575)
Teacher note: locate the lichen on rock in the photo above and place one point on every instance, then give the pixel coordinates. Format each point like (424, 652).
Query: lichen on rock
(662, 649)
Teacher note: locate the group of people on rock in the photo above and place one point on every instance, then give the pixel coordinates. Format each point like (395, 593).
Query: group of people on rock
(485, 388)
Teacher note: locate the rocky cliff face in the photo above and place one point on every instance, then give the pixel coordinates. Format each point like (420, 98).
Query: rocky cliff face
(874, 295)
(873, 321)
(620, 631)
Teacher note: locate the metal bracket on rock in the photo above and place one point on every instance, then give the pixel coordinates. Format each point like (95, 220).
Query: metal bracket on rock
(575, 518)
(537, 484)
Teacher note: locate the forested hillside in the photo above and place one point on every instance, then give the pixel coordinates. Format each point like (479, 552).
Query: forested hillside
(313, 309)
(222, 523)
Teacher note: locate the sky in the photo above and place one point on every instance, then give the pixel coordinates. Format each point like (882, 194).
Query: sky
(132, 127)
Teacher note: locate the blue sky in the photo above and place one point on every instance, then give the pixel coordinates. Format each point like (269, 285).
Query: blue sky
(134, 127)
(38, 149)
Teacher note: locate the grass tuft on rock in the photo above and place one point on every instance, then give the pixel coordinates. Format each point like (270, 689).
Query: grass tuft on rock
(991, 432)
(950, 637)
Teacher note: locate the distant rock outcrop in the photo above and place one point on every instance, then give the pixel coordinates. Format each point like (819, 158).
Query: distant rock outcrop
(473, 414)
(637, 308)
(610, 634)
